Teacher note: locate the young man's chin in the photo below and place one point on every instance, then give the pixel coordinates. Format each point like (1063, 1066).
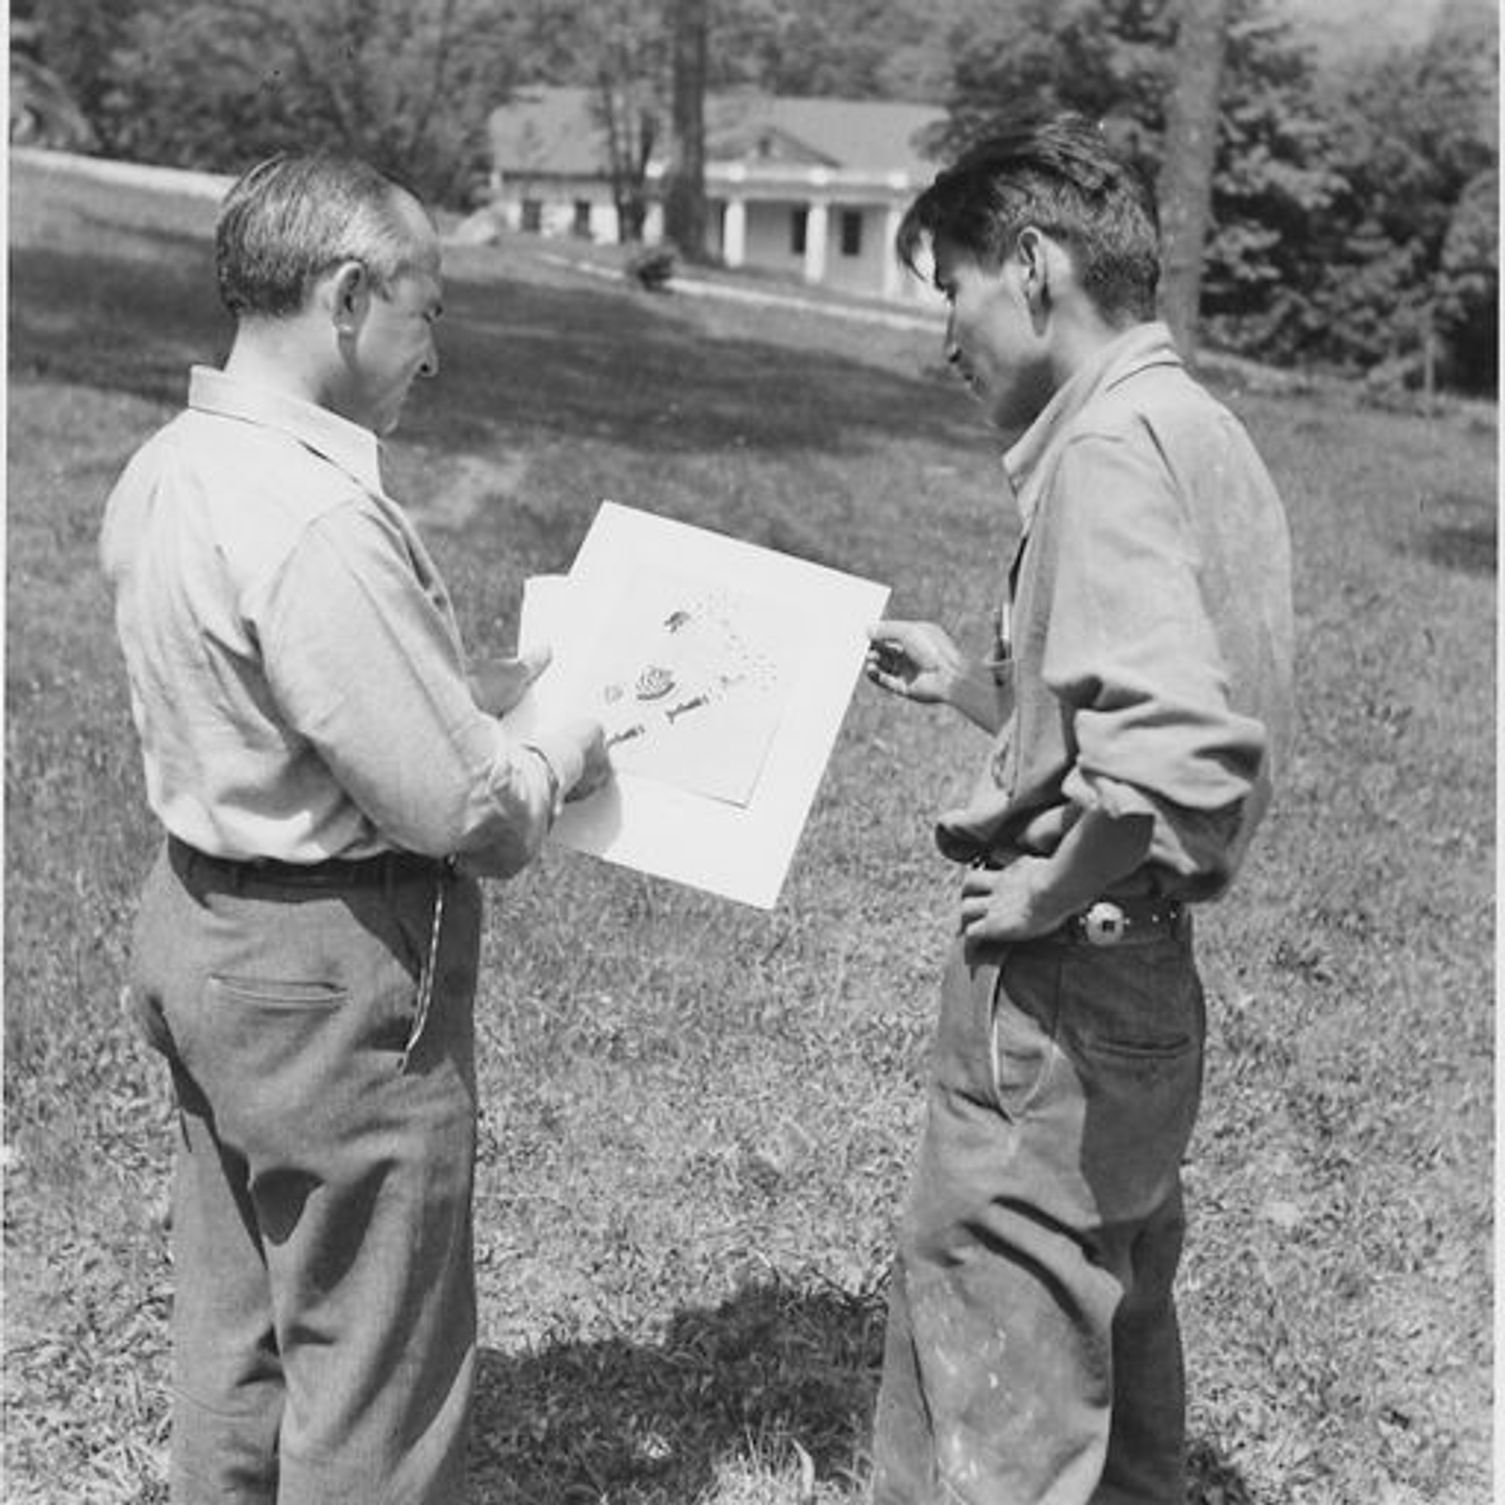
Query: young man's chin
(386, 423)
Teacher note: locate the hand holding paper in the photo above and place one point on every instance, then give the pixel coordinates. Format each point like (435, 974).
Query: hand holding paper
(596, 769)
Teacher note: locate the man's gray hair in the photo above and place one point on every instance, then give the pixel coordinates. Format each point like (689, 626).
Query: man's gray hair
(290, 219)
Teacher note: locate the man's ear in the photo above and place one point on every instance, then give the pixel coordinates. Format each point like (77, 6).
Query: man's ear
(1034, 250)
(348, 290)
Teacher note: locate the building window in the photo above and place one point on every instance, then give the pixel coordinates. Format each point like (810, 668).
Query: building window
(532, 215)
(799, 223)
(581, 224)
(851, 232)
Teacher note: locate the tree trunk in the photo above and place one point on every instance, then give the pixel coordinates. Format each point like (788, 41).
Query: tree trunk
(1191, 143)
(684, 187)
(629, 144)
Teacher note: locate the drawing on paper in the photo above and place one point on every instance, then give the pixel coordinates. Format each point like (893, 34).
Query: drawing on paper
(693, 680)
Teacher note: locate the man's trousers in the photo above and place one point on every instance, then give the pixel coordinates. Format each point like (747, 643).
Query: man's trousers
(324, 1311)
(1032, 1354)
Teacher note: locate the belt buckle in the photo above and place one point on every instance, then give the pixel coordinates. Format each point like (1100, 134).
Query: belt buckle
(1104, 924)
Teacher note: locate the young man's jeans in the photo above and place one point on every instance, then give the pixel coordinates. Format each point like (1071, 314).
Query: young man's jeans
(1032, 1352)
(324, 1312)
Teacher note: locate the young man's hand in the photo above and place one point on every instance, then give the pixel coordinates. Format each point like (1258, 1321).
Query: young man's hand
(1032, 896)
(915, 660)
(919, 661)
(1009, 903)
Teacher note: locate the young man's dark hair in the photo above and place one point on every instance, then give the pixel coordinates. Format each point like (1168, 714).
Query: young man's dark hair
(1059, 174)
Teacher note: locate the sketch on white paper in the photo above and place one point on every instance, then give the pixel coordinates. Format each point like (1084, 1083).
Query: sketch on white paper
(722, 670)
(692, 683)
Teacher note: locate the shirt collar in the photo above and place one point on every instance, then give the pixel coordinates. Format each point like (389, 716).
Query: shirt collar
(356, 450)
(1124, 356)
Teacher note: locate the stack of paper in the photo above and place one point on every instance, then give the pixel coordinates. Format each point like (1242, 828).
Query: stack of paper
(721, 671)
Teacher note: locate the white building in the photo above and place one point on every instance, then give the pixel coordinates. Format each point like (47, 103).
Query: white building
(812, 187)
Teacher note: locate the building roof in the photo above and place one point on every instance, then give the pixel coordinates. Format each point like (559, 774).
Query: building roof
(554, 131)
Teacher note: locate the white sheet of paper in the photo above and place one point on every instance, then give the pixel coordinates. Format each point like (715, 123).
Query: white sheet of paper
(545, 609)
(721, 670)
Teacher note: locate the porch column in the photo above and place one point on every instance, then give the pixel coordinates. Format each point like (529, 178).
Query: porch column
(817, 236)
(894, 273)
(734, 232)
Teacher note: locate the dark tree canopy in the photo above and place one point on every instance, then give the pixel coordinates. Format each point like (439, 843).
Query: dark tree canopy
(1351, 212)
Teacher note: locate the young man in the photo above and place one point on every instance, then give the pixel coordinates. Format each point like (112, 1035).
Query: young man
(1137, 691)
(307, 945)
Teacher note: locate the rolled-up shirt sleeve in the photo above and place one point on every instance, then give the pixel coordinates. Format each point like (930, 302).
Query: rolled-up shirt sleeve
(365, 665)
(1131, 651)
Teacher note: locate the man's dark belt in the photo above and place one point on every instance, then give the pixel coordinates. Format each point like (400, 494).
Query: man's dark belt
(333, 872)
(1116, 922)
(1113, 922)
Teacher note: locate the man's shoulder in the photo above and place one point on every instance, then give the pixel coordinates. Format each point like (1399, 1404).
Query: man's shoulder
(1167, 413)
(236, 497)
(1163, 434)
(236, 465)
(159, 447)
(1154, 395)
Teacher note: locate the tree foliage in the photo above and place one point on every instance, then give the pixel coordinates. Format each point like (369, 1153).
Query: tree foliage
(844, 49)
(43, 110)
(1411, 246)
(217, 83)
(1272, 189)
(1111, 59)
(1468, 285)
(1332, 206)
(76, 40)
(1102, 57)
(625, 45)
(1353, 209)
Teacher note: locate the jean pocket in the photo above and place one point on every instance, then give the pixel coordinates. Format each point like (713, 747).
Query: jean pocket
(1137, 1003)
(296, 995)
(1025, 1011)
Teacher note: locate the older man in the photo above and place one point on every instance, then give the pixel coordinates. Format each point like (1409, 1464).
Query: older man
(331, 786)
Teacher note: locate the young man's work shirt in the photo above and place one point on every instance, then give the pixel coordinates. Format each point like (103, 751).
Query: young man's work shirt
(1146, 626)
(296, 672)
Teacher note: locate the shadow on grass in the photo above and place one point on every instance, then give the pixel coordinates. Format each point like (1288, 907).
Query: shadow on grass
(1212, 1480)
(768, 1369)
(770, 1374)
(129, 311)
(1460, 531)
(123, 323)
(1472, 550)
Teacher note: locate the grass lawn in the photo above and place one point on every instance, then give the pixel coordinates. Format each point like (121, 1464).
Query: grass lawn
(696, 1117)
